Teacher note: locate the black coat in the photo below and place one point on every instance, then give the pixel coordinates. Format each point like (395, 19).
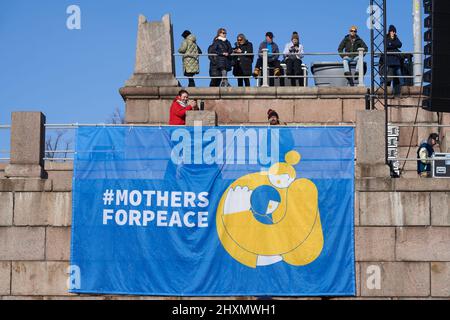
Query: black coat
(243, 64)
(213, 71)
(393, 45)
(221, 47)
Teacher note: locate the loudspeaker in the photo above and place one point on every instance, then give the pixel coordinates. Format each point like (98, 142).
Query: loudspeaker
(437, 56)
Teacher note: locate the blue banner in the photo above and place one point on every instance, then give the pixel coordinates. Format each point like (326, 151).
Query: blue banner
(214, 211)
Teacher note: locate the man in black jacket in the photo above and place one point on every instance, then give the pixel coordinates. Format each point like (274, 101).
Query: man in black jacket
(348, 49)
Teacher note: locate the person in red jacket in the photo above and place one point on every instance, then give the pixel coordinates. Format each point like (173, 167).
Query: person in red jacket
(179, 108)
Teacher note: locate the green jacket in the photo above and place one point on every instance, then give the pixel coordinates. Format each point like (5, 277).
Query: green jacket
(190, 60)
(347, 46)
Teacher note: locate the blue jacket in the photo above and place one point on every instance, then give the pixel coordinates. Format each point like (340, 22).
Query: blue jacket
(275, 49)
(422, 167)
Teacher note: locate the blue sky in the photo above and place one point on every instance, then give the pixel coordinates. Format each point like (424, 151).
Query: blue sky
(74, 75)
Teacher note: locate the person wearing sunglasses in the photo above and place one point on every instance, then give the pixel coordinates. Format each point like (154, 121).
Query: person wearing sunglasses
(348, 49)
(222, 47)
(243, 63)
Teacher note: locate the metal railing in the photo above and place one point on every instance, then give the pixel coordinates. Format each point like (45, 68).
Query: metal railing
(265, 66)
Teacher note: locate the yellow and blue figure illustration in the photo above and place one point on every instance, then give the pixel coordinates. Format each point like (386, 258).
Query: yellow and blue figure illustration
(268, 217)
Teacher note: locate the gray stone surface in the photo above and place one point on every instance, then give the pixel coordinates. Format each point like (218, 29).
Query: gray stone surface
(39, 278)
(154, 61)
(440, 208)
(394, 208)
(58, 244)
(370, 133)
(205, 117)
(22, 243)
(375, 244)
(30, 185)
(423, 244)
(5, 278)
(440, 279)
(61, 180)
(42, 209)
(136, 111)
(398, 279)
(6, 208)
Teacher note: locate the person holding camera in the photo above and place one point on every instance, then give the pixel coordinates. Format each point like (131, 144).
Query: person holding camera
(293, 54)
(243, 63)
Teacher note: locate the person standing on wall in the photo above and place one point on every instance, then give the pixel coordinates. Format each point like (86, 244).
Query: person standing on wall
(426, 151)
(223, 49)
(293, 54)
(394, 62)
(179, 107)
(348, 49)
(272, 59)
(190, 51)
(243, 64)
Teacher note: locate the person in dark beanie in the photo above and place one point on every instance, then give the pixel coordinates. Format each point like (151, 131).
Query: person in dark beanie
(394, 61)
(190, 51)
(426, 151)
(273, 118)
(293, 54)
(243, 63)
(272, 59)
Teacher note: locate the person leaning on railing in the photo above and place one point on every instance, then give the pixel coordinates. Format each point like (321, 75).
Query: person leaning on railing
(190, 50)
(293, 54)
(272, 59)
(426, 151)
(179, 107)
(223, 49)
(243, 63)
(214, 71)
(348, 49)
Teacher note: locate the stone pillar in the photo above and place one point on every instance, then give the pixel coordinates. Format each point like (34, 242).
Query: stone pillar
(203, 117)
(370, 145)
(155, 63)
(27, 145)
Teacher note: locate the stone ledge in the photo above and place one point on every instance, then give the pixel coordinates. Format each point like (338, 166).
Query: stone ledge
(25, 185)
(58, 166)
(411, 184)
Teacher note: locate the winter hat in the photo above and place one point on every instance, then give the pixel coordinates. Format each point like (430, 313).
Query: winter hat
(269, 34)
(434, 136)
(271, 113)
(185, 33)
(392, 28)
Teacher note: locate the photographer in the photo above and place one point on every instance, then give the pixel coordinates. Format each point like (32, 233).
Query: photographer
(243, 64)
(293, 54)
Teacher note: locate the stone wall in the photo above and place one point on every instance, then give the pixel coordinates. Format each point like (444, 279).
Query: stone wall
(402, 230)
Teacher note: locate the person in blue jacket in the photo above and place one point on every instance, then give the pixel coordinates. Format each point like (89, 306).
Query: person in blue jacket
(272, 59)
(425, 152)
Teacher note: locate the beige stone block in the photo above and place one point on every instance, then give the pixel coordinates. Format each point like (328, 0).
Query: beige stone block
(136, 111)
(397, 279)
(394, 208)
(28, 185)
(5, 278)
(14, 298)
(61, 180)
(440, 279)
(440, 208)
(350, 106)
(371, 148)
(22, 243)
(159, 111)
(204, 117)
(423, 244)
(318, 110)
(408, 165)
(258, 110)
(408, 114)
(39, 278)
(375, 244)
(6, 208)
(404, 139)
(356, 210)
(57, 244)
(42, 209)
(230, 111)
